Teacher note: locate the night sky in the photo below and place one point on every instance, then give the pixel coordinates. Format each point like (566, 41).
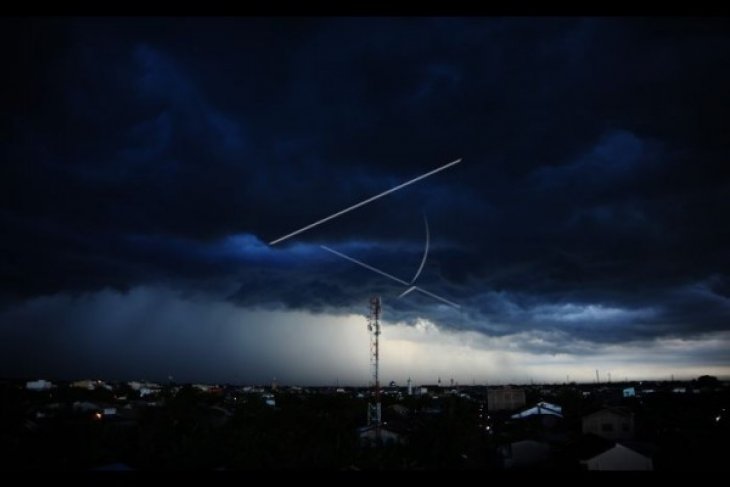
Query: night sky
(147, 163)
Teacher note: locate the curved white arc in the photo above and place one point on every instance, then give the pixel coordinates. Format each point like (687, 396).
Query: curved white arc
(425, 251)
(389, 276)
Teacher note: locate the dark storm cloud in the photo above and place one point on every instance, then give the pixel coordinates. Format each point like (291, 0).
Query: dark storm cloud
(591, 202)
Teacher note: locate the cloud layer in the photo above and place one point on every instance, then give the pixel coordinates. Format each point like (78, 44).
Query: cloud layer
(591, 204)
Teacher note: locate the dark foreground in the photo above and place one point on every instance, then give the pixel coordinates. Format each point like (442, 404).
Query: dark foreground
(228, 428)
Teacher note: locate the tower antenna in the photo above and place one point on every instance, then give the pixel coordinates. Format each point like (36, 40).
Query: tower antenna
(374, 329)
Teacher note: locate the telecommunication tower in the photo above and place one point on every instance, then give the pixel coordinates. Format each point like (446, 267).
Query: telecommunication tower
(374, 329)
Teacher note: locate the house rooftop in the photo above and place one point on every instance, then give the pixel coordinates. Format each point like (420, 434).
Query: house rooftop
(618, 411)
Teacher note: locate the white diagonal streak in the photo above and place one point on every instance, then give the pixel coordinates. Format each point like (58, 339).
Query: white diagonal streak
(450, 303)
(363, 264)
(407, 292)
(365, 202)
(389, 276)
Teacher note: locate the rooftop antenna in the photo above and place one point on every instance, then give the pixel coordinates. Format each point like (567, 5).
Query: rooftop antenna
(374, 329)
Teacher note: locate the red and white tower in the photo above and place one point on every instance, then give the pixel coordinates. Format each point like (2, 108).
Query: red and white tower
(374, 329)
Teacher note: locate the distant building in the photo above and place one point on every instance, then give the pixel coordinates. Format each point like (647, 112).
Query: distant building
(435, 409)
(216, 416)
(608, 396)
(527, 453)
(146, 391)
(619, 457)
(543, 413)
(114, 467)
(90, 384)
(84, 384)
(541, 408)
(399, 409)
(144, 388)
(85, 406)
(38, 385)
(610, 423)
(505, 399)
(369, 436)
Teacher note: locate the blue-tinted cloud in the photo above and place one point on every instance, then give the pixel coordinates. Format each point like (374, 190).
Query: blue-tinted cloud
(590, 204)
